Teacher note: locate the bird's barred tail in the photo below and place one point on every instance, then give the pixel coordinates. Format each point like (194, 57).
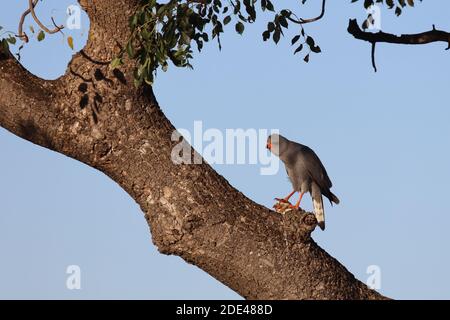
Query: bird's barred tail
(319, 212)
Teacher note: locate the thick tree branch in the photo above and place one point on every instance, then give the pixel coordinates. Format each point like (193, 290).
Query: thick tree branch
(24, 101)
(95, 115)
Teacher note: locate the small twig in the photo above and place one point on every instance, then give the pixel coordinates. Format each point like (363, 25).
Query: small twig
(374, 65)
(56, 26)
(40, 24)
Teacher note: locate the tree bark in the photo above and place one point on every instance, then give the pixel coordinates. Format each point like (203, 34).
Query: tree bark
(97, 116)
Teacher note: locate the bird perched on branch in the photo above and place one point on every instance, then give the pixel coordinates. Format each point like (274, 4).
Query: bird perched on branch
(306, 173)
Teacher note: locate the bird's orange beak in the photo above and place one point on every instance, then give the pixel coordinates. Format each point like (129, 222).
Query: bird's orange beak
(269, 145)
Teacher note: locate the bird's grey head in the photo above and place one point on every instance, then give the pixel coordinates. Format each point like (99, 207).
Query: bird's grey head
(277, 144)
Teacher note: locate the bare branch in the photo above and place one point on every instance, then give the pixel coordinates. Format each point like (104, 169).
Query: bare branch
(305, 21)
(433, 35)
(40, 24)
(31, 5)
(22, 34)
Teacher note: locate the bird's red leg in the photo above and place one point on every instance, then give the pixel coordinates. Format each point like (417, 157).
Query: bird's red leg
(299, 200)
(286, 199)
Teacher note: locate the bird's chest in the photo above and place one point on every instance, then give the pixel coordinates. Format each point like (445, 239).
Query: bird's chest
(299, 181)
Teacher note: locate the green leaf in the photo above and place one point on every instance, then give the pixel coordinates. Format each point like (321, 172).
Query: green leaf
(161, 10)
(295, 39)
(283, 21)
(316, 49)
(41, 35)
(269, 6)
(11, 40)
(205, 37)
(4, 45)
(240, 27)
(300, 48)
(306, 58)
(368, 3)
(115, 63)
(310, 41)
(285, 13)
(263, 5)
(227, 20)
(130, 49)
(276, 36)
(149, 80)
(185, 39)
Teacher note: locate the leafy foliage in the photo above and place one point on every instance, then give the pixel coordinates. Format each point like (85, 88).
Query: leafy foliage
(396, 5)
(3, 46)
(5, 42)
(166, 32)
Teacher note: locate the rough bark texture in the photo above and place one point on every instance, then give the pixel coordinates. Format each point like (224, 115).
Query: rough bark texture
(95, 115)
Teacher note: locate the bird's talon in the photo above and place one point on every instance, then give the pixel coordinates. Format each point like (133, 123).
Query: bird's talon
(283, 206)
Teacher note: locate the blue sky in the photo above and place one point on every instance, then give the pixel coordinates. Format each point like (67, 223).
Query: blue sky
(383, 137)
